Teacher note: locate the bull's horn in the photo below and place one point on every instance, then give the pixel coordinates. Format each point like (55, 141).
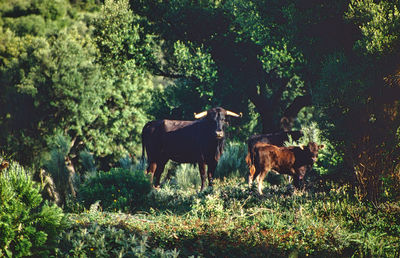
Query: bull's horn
(230, 113)
(200, 115)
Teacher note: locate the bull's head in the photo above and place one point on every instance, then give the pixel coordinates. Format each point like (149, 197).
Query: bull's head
(217, 117)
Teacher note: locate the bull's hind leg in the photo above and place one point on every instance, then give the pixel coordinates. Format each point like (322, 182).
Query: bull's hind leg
(159, 169)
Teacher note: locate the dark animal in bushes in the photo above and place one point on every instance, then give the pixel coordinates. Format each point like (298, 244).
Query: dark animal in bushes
(200, 141)
(293, 161)
(276, 139)
(4, 164)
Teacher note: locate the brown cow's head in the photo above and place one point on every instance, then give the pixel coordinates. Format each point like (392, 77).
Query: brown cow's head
(311, 152)
(216, 117)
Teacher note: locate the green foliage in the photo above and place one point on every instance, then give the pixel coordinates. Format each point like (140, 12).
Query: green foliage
(70, 78)
(34, 17)
(232, 221)
(95, 240)
(356, 92)
(232, 161)
(60, 69)
(187, 176)
(379, 23)
(123, 51)
(28, 225)
(119, 189)
(56, 164)
(87, 161)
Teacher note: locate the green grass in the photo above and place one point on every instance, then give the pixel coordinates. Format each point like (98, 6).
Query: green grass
(234, 221)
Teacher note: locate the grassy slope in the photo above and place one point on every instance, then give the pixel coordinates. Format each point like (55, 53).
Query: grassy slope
(233, 221)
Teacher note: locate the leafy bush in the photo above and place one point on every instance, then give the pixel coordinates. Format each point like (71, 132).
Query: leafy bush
(232, 162)
(188, 176)
(105, 241)
(119, 189)
(28, 225)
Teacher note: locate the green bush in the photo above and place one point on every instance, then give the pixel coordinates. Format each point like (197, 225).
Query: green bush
(119, 189)
(106, 241)
(232, 161)
(188, 176)
(28, 225)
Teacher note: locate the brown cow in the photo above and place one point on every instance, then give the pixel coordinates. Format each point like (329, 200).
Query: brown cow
(293, 161)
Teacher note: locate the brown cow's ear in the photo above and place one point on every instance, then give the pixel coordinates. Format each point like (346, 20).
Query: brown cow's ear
(321, 146)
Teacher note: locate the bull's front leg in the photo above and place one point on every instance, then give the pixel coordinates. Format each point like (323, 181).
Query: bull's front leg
(211, 169)
(202, 169)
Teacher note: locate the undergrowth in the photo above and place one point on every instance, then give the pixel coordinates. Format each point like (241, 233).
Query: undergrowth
(232, 220)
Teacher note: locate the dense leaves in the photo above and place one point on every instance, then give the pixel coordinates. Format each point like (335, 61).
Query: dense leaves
(28, 225)
(116, 190)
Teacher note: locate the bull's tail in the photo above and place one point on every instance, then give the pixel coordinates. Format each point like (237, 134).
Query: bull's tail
(143, 152)
(144, 144)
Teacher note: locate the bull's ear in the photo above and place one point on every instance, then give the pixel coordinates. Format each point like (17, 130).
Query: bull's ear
(321, 146)
(200, 115)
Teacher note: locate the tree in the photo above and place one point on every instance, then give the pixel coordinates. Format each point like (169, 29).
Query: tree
(85, 81)
(358, 93)
(52, 84)
(124, 50)
(252, 52)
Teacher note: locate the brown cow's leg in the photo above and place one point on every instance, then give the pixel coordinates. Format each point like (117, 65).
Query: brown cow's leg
(202, 169)
(160, 168)
(250, 180)
(260, 180)
(251, 175)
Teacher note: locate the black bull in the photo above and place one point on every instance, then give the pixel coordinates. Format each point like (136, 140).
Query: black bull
(200, 141)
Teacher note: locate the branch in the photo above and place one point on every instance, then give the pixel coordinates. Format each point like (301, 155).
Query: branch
(159, 72)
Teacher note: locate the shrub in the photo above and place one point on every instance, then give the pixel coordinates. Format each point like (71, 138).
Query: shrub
(98, 234)
(187, 176)
(232, 162)
(105, 241)
(56, 164)
(28, 225)
(119, 189)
